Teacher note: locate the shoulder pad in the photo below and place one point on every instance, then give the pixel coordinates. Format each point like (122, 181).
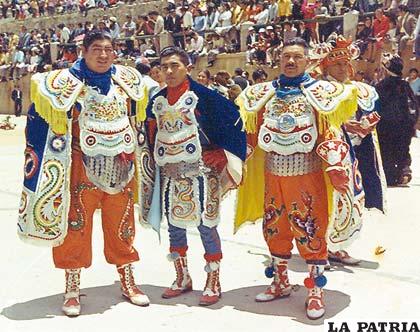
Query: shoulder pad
(131, 81)
(326, 96)
(366, 96)
(253, 98)
(59, 87)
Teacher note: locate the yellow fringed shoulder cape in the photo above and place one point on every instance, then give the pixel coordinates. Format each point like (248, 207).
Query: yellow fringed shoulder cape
(55, 92)
(334, 102)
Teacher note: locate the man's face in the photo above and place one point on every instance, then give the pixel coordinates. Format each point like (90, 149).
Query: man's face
(293, 61)
(99, 56)
(339, 70)
(156, 74)
(378, 14)
(413, 75)
(174, 71)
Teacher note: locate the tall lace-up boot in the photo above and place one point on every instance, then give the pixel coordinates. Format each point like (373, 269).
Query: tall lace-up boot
(315, 306)
(212, 290)
(71, 305)
(129, 288)
(183, 282)
(280, 287)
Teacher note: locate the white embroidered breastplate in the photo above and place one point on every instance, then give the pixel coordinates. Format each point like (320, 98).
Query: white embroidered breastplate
(105, 133)
(289, 126)
(177, 138)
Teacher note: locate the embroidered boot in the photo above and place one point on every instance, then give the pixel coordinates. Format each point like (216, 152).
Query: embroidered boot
(71, 305)
(129, 288)
(183, 282)
(212, 291)
(315, 306)
(280, 287)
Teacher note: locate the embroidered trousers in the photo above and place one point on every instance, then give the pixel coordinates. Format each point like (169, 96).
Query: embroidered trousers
(296, 207)
(117, 222)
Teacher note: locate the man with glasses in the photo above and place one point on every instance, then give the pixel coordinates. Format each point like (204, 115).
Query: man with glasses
(81, 143)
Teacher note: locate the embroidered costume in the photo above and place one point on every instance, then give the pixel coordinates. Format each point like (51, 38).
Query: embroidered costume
(81, 140)
(198, 146)
(293, 125)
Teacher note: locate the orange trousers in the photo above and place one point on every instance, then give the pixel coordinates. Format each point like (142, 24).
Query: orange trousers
(296, 207)
(117, 222)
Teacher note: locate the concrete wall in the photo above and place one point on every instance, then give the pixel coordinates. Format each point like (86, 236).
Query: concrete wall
(226, 62)
(45, 22)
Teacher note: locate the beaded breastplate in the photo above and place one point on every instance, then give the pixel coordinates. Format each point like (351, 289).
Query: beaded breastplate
(289, 126)
(177, 138)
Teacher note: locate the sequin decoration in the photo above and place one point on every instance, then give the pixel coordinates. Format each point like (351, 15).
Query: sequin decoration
(58, 144)
(31, 163)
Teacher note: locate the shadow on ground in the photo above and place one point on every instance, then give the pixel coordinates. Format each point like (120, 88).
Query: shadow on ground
(100, 299)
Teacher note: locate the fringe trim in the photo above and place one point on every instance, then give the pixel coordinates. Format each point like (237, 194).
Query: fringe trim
(249, 119)
(57, 119)
(141, 106)
(345, 109)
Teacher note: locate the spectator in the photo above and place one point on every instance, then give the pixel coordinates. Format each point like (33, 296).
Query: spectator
(274, 46)
(159, 26)
(222, 82)
(187, 18)
(396, 127)
(414, 80)
(65, 33)
(129, 28)
(239, 79)
(251, 42)
(156, 74)
(234, 91)
(143, 66)
(407, 26)
(380, 29)
(204, 77)
(200, 22)
(174, 26)
(216, 46)
(17, 99)
(262, 17)
(284, 9)
(289, 31)
(273, 11)
(212, 16)
(114, 28)
(364, 35)
(196, 47)
(259, 76)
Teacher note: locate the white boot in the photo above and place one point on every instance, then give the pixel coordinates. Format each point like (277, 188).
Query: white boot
(129, 288)
(183, 282)
(71, 305)
(212, 290)
(315, 306)
(280, 287)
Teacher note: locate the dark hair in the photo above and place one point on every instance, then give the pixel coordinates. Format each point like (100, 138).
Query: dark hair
(296, 41)
(206, 72)
(413, 70)
(154, 12)
(95, 35)
(238, 71)
(143, 68)
(403, 8)
(258, 73)
(173, 50)
(154, 64)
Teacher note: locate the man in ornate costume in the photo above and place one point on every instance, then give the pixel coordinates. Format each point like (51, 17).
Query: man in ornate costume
(364, 156)
(80, 151)
(296, 165)
(198, 143)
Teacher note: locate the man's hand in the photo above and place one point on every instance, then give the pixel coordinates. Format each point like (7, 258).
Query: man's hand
(339, 178)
